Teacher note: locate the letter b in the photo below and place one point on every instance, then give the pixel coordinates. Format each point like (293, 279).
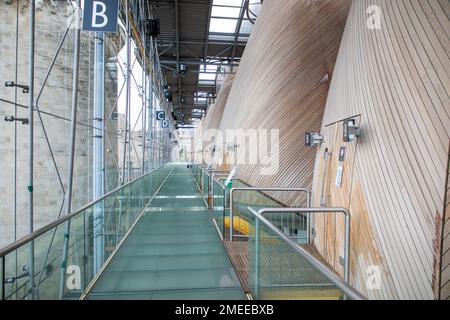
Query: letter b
(99, 10)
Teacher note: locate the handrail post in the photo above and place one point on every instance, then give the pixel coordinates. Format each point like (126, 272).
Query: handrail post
(257, 259)
(225, 199)
(3, 278)
(231, 214)
(224, 211)
(347, 248)
(211, 174)
(308, 219)
(212, 186)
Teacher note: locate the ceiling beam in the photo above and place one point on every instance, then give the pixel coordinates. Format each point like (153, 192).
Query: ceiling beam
(205, 51)
(163, 43)
(196, 62)
(177, 26)
(236, 35)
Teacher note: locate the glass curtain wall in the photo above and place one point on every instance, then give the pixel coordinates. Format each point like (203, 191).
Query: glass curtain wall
(54, 38)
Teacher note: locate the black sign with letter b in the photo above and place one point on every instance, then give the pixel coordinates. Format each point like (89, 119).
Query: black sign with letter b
(100, 15)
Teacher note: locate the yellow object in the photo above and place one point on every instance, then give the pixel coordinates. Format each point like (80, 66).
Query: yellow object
(239, 225)
(301, 294)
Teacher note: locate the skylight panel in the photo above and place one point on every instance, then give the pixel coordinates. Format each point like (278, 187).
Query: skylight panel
(207, 76)
(246, 27)
(221, 37)
(219, 25)
(211, 68)
(236, 3)
(200, 101)
(202, 94)
(206, 82)
(226, 12)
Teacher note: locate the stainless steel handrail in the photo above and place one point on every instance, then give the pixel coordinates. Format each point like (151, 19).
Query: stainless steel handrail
(343, 285)
(219, 175)
(209, 173)
(233, 190)
(13, 246)
(324, 210)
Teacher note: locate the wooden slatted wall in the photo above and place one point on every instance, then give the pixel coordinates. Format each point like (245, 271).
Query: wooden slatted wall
(397, 79)
(213, 119)
(215, 111)
(445, 262)
(278, 85)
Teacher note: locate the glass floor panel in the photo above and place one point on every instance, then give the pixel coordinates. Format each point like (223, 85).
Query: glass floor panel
(116, 281)
(174, 251)
(170, 262)
(198, 294)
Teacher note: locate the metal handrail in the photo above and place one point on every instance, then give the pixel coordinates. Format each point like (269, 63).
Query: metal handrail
(343, 285)
(324, 210)
(13, 246)
(209, 172)
(233, 190)
(219, 175)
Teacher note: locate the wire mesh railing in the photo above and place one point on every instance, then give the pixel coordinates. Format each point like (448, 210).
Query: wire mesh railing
(276, 268)
(281, 269)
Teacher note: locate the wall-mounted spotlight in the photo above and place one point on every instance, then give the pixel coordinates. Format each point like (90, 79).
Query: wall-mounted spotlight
(325, 78)
(12, 119)
(182, 68)
(351, 131)
(232, 146)
(313, 138)
(153, 27)
(10, 84)
(166, 89)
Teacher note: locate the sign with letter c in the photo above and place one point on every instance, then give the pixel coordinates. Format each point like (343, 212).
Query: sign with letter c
(160, 115)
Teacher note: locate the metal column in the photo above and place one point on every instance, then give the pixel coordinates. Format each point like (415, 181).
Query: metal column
(73, 129)
(144, 113)
(30, 143)
(126, 143)
(150, 112)
(144, 92)
(129, 71)
(257, 259)
(98, 151)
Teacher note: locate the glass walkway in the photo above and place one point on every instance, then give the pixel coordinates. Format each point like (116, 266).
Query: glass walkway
(154, 238)
(173, 252)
